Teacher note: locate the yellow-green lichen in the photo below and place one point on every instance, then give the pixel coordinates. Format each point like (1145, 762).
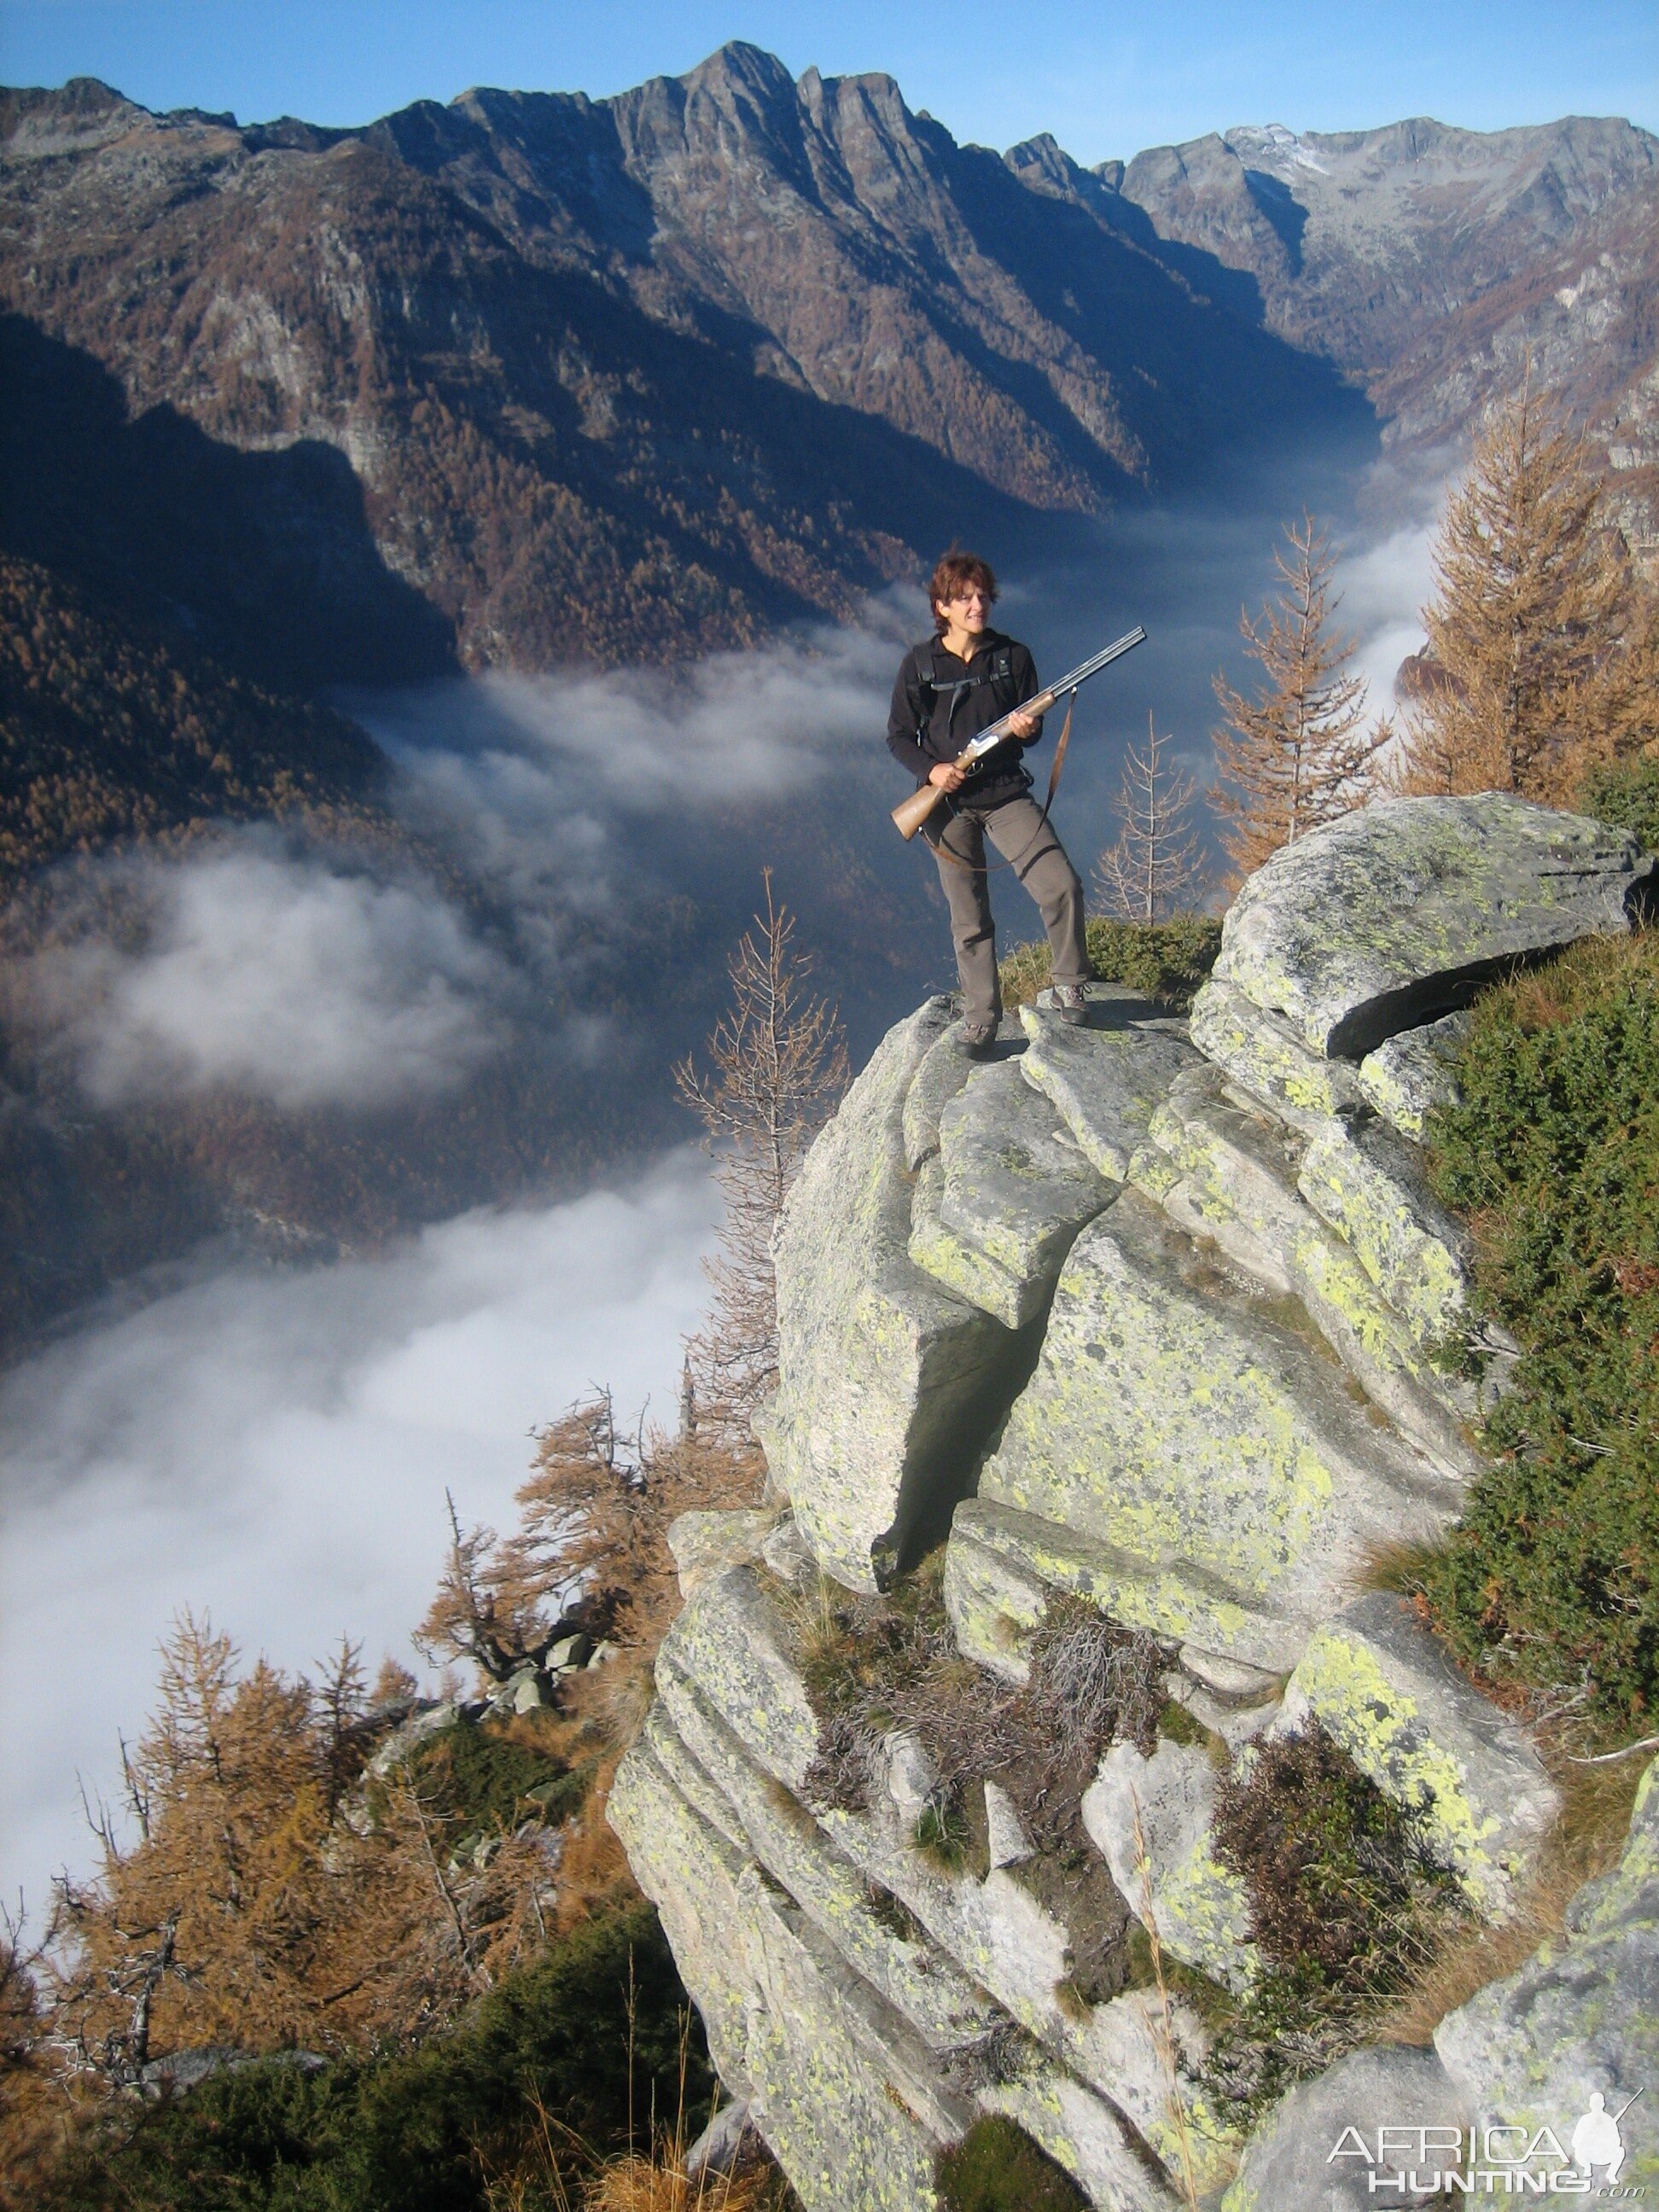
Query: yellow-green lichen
(1380, 1727)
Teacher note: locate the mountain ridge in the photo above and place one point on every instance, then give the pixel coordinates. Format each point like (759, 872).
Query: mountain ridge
(660, 372)
(718, 353)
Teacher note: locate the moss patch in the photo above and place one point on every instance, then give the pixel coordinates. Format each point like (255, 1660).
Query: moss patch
(996, 2167)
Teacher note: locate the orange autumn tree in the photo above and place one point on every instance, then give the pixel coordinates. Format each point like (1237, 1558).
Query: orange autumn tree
(1298, 753)
(263, 1896)
(1543, 649)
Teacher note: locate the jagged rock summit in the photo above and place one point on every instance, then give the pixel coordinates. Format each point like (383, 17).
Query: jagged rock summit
(1140, 1323)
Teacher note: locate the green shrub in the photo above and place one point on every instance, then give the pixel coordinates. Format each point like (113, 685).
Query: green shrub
(1551, 1578)
(480, 1782)
(1625, 793)
(595, 2031)
(1169, 959)
(1345, 1905)
(996, 2167)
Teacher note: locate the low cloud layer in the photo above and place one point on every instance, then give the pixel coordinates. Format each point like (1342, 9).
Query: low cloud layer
(543, 783)
(275, 1448)
(276, 975)
(1384, 587)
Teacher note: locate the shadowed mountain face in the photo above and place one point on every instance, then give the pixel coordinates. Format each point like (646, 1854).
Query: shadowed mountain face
(649, 374)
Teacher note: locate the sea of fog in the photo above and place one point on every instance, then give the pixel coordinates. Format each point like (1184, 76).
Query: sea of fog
(272, 1446)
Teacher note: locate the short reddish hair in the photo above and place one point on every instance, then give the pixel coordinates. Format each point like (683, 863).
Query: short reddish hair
(955, 573)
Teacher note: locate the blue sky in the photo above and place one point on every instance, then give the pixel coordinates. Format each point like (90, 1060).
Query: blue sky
(1106, 78)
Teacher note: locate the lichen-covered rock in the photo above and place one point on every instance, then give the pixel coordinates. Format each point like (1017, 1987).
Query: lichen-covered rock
(1151, 2045)
(1233, 1404)
(1015, 1185)
(1173, 1416)
(1151, 1820)
(1105, 1080)
(1368, 1183)
(1239, 1186)
(704, 1545)
(838, 2088)
(962, 1266)
(1315, 2151)
(942, 1071)
(1378, 1683)
(1082, 2134)
(1581, 2020)
(1006, 1839)
(1002, 1565)
(911, 1973)
(1408, 1076)
(1394, 914)
(1264, 1056)
(730, 1641)
(888, 1381)
(944, 1963)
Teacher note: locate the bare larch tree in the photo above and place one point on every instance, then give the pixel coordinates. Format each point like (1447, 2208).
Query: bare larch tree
(1156, 866)
(779, 1066)
(1298, 754)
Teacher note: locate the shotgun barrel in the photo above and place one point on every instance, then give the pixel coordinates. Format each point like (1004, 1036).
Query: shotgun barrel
(910, 813)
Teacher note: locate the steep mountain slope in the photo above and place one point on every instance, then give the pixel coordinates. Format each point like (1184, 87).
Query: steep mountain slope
(642, 374)
(1430, 263)
(106, 735)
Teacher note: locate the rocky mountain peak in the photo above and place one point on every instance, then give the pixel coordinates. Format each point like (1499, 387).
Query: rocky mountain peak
(1272, 146)
(1013, 327)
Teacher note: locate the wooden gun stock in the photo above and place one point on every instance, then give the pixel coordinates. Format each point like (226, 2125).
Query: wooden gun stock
(910, 813)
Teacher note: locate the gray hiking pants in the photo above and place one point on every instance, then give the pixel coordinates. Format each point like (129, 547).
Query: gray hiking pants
(1019, 833)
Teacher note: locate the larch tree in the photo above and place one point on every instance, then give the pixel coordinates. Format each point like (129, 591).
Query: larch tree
(1542, 653)
(497, 1606)
(1156, 864)
(596, 1511)
(265, 1896)
(779, 1067)
(1299, 753)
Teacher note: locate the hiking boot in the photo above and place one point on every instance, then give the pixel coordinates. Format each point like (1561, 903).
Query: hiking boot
(977, 1037)
(1071, 1004)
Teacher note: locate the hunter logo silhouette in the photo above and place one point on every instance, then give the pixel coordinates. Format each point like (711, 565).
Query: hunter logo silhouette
(1597, 2140)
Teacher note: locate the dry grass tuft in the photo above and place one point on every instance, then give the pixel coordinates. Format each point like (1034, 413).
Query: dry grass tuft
(660, 2184)
(1400, 1566)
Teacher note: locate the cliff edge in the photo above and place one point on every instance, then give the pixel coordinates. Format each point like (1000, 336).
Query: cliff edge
(1109, 1370)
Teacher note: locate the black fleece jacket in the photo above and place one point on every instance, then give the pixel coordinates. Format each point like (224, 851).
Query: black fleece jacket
(940, 703)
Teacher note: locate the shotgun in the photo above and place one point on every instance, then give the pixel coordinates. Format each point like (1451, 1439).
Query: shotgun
(910, 813)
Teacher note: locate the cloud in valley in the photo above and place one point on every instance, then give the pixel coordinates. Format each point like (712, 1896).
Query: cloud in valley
(275, 1447)
(276, 975)
(1383, 585)
(540, 777)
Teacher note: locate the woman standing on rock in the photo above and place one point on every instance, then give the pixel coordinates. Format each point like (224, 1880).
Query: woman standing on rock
(949, 688)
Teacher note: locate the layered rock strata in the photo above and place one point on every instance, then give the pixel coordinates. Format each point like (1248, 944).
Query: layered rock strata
(1150, 1315)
